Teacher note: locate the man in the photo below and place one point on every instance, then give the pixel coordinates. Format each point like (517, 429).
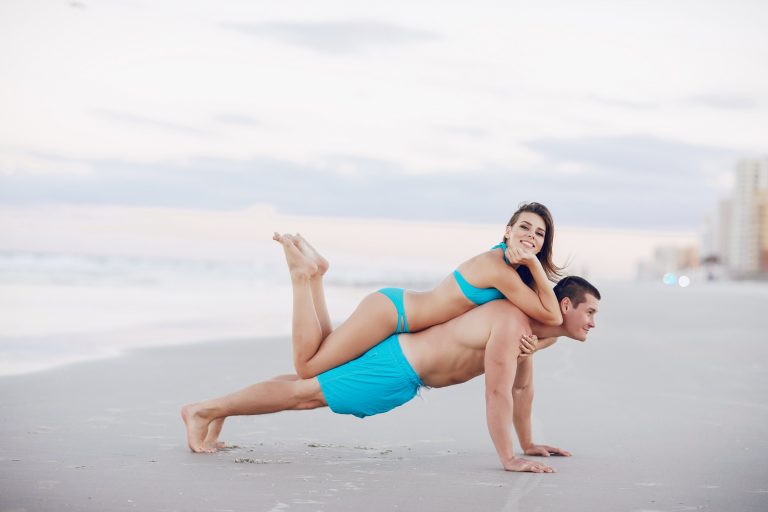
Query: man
(483, 340)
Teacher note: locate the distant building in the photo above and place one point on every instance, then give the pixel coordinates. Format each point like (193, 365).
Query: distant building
(715, 240)
(723, 231)
(762, 235)
(746, 219)
(670, 259)
(715, 234)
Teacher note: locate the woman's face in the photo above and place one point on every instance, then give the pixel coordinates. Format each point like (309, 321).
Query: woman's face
(528, 232)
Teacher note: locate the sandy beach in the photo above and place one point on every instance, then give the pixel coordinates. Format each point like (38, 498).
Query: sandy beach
(664, 408)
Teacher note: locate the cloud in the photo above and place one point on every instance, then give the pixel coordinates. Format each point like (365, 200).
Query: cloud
(638, 155)
(730, 102)
(17, 160)
(468, 131)
(335, 37)
(352, 166)
(624, 103)
(125, 118)
(239, 120)
(604, 193)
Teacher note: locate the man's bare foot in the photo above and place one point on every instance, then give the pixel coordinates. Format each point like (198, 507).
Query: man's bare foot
(197, 429)
(212, 438)
(311, 253)
(299, 265)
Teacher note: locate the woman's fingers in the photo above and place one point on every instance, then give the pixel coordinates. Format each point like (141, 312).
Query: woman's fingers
(528, 343)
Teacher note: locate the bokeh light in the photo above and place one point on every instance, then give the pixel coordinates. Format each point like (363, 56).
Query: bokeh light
(669, 279)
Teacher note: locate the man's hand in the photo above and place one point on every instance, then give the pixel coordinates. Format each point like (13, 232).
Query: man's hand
(517, 464)
(528, 345)
(544, 450)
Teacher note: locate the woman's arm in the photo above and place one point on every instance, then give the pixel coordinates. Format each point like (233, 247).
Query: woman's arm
(540, 304)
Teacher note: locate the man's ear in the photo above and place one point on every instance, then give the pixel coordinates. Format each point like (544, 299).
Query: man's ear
(565, 304)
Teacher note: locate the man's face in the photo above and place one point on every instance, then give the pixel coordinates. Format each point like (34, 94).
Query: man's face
(578, 320)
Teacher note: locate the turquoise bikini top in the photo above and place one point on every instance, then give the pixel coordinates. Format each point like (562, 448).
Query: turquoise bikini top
(480, 295)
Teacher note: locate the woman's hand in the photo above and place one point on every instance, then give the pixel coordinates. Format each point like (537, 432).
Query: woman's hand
(528, 345)
(520, 256)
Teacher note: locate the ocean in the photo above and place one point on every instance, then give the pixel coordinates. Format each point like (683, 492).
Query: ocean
(62, 308)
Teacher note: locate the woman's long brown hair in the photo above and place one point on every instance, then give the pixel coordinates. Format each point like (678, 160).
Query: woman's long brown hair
(545, 254)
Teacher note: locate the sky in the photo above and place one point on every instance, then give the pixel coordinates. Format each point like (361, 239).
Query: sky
(617, 115)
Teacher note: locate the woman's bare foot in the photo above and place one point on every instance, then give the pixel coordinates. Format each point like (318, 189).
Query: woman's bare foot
(311, 253)
(197, 429)
(212, 438)
(299, 265)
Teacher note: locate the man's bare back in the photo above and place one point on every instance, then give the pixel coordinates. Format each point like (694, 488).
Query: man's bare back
(454, 352)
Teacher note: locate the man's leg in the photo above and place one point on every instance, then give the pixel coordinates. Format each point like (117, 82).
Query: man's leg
(214, 428)
(262, 398)
(214, 431)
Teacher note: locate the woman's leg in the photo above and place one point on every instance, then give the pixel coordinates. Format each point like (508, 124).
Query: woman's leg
(262, 398)
(306, 331)
(373, 320)
(316, 283)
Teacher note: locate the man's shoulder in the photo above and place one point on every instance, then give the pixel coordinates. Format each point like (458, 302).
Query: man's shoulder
(505, 310)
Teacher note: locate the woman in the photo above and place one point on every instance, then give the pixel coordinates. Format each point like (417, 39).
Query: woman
(518, 268)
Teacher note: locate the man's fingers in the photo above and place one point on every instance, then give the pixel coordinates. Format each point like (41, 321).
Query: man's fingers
(553, 450)
(544, 450)
(529, 465)
(543, 468)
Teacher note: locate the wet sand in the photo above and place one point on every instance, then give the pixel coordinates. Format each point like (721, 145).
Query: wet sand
(665, 408)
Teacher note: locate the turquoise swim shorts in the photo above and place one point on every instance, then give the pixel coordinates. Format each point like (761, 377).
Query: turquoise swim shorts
(376, 382)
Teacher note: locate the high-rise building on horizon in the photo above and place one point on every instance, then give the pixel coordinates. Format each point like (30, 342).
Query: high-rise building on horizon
(747, 222)
(715, 236)
(762, 235)
(724, 231)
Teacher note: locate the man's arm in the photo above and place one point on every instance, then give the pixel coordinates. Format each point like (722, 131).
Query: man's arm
(500, 368)
(522, 393)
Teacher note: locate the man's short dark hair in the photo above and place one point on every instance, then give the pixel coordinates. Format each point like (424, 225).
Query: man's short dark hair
(575, 288)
